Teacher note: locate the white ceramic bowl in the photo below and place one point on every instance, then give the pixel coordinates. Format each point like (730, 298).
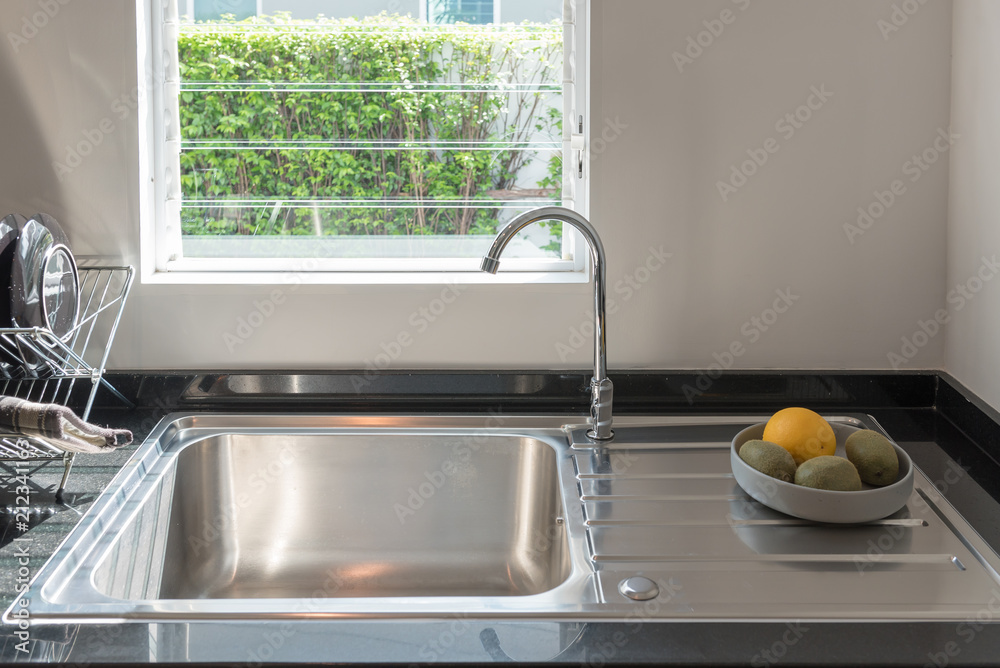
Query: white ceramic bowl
(871, 503)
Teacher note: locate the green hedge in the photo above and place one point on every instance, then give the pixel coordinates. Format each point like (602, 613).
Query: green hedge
(377, 50)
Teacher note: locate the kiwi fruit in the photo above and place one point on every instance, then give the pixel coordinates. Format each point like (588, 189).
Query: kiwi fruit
(769, 458)
(874, 457)
(830, 473)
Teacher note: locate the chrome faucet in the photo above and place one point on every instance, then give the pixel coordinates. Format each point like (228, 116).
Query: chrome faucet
(601, 390)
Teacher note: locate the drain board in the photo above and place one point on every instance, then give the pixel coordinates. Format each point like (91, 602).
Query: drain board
(661, 502)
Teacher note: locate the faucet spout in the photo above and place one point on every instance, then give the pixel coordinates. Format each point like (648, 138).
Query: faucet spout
(600, 385)
(490, 264)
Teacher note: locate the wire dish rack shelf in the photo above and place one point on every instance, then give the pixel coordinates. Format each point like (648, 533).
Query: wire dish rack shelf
(39, 366)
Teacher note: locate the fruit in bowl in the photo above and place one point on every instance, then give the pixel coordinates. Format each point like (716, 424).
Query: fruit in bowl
(769, 458)
(840, 505)
(828, 472)
(873, 455)
(804, 433)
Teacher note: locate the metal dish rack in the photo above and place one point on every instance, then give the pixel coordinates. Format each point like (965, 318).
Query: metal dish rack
(36, 365)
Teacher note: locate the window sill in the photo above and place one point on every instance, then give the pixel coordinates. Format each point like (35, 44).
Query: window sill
(362, 278)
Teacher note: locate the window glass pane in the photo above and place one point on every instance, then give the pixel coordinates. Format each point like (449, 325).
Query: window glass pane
(213, 10)
(460, 11)
(322, 129)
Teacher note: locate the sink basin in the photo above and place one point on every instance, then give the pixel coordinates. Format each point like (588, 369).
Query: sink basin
(306, 516)
(359, 515)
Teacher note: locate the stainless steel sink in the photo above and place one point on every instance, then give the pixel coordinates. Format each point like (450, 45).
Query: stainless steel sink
(250, 516)
(363, 515)
(238, 517)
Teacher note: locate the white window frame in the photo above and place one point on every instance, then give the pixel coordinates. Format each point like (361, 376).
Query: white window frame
(161, 259)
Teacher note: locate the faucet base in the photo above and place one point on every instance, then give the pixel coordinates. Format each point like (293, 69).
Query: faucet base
(601, 393)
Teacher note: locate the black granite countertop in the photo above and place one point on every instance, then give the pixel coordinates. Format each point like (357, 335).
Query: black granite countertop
(951, 436)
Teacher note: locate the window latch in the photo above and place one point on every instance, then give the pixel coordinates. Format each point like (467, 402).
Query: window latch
(578, 142)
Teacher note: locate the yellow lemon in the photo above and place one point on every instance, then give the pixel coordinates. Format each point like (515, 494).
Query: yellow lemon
(802, 432)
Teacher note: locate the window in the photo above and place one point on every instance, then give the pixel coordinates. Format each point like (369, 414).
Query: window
(214, 10)
(462, 11)
(388, 142)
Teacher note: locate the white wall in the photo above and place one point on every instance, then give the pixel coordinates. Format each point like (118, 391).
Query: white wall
(689, 123)
(972, 352)
(672, 135)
